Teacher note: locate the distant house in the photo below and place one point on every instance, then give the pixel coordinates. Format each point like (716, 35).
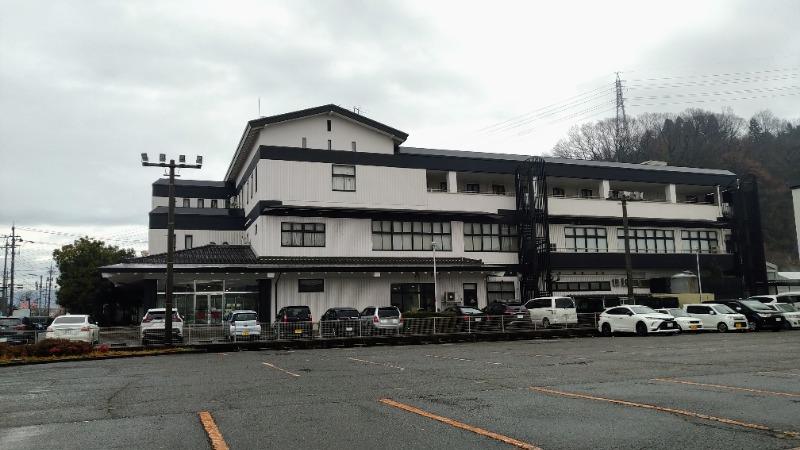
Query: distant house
(325, 207)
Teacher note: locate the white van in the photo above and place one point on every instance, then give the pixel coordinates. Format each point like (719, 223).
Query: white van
(547, 311)
(716, 316)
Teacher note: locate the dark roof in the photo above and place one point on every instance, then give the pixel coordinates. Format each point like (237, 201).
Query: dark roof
(338, 261)
(324, 109)
(207, 254)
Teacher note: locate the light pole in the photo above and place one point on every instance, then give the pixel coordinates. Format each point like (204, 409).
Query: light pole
(435, 282)
(162, 162)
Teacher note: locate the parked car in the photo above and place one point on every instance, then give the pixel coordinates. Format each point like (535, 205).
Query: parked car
(153, 326)
(547, 311)
(791, 315)
(17, 330)
(75, 327)
(242, 324)
(340, 322)
(504, 316)
(469, 319)
(716, 316)
(638, 319)
(684, 320)
(41, 323)
(293, 322)
(758, 316)
(783, 297)
(381, 320)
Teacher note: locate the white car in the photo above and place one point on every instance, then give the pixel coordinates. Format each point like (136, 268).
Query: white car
(548, 311)
(790, 312)
(75, 327)
(685, 321)
(242, 324)
(716, 316)
(153, 326)
(638, 319)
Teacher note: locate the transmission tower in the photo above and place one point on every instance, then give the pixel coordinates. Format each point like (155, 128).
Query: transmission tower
(622, 135)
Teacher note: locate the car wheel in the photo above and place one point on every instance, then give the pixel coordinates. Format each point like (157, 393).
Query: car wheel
(752, 325)
(606, 330)
(641, 329)
(722, 327)
(778, 328)
(787, 325)
(545, 323)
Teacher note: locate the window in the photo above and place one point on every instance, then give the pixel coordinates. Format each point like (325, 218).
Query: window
(558, 192)
(304, 143)
(255, 178)
(187, 241)
(585, 239)
(353, 144)
(498, 189)
(582, 286)
(473, 188)
(214, 204)
(200, 203)
(490, 237)
(329, 125)
(330, 144)
(187, 203)
(417, 236)
(302, 234)
(699, 241)
(647, 241)
(500, 291)
(311, 285)
(344, 178)
(586, 193)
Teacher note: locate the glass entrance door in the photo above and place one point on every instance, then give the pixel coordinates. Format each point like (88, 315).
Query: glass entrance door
(208, 308)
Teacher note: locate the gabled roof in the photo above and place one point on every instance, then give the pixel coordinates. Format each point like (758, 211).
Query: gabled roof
(254, 127)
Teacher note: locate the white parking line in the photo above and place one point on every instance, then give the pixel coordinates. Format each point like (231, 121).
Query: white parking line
(376, 363)
(463, 359)
(282, 370)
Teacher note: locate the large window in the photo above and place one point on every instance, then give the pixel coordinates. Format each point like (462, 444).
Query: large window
(394, 235)
(582, 286)
(311, 285)
(586, 239)
(490, 237)
(344, 178)
(302, 234)
(699, 241)
(500, 291)
(647, 241)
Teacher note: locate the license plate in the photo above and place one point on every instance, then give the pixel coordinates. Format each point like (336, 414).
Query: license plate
(778, 319)
(477, 319)
(692, 327)
(69, 331)
(670, 325)
(519, 316)
(298, 331)
(245, 333)
(348, 328)
(738, 325)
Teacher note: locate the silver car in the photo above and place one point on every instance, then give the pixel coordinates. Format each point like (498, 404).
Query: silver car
(242, 324)
(381, 320)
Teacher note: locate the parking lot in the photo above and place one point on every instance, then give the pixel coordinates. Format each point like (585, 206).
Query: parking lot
(708, 390)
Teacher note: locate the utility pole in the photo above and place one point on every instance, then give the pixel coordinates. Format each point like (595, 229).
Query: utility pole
(4, 303)
(628, 265)
(162, 162)
(49, 286)
(14, 239)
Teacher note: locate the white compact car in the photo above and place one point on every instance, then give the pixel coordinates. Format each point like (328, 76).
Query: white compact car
(638, 319)
(242, 324)
(685, 321)
(716, 316)
(548, 311)
(790, 312)
(75, 327)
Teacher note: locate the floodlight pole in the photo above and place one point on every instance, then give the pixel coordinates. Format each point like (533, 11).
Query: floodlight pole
(170, 233)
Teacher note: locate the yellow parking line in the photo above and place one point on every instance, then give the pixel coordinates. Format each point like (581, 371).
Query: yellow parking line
(282, 370)
(213, 432)
(670, 410)
(666, 380)
(463, 426)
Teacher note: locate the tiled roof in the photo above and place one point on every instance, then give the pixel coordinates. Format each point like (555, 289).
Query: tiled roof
(207, 254)
(366, 261)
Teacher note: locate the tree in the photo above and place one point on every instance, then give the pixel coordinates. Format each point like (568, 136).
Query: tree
(82, 288)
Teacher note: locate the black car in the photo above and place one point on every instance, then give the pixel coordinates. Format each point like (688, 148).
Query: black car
(469, 319)
(17, 330)
(293, 322)
(758, 316)
(503, 316)
(340, 322)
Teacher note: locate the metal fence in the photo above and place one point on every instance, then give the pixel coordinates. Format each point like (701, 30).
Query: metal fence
(198, 334)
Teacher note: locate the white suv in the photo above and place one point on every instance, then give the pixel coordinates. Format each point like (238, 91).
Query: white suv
(153, 326)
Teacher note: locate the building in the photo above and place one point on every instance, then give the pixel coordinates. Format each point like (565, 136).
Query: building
(325, 207)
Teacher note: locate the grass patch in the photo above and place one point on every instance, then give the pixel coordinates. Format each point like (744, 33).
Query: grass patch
(53, 350)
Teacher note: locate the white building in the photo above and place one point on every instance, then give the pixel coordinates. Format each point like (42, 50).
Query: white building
(325, 207)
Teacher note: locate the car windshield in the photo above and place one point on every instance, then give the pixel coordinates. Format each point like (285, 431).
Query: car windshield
(69, 320)
(754, 304)
(471, 311)
(388, 312)
(676, 312)
(159, 315)
(642, 310)
(785, 307)
(300, 311)
(564, 302)
(245, 316)
(723, 309)
(10, 322)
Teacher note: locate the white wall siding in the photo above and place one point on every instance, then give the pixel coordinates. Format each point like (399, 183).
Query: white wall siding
(157, 239)
(315, 130)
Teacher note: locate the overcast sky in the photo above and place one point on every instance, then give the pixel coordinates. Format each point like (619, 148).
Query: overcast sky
(86, 86)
